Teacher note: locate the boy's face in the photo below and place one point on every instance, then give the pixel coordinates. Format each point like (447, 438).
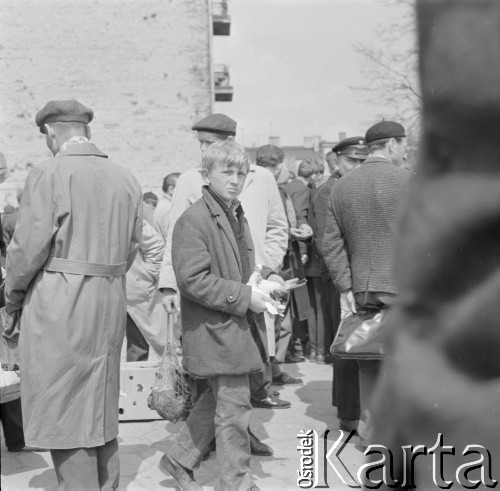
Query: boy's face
(226, 182)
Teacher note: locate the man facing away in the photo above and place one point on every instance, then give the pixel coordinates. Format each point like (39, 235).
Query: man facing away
(345, 156)
(66, 269)
(359, 241)
(213, 258)
(267, 222)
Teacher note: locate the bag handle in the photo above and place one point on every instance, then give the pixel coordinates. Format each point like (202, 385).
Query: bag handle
(170, 328)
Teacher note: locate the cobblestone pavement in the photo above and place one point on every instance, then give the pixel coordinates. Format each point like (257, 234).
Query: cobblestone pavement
(142, 444)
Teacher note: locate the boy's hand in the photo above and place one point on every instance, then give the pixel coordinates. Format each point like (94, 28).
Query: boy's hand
(258, 302)
(280, 292)
(170, 301)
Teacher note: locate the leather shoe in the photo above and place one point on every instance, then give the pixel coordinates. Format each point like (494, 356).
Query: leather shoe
(270, 403)
(183, 476)
(348, 424)
(292, 358)
(286, 379)
(259, 448)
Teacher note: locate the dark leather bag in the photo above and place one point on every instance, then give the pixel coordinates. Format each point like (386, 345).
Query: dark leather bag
(360, 336)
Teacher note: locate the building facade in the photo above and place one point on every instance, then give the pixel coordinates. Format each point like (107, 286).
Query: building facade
(144, 67)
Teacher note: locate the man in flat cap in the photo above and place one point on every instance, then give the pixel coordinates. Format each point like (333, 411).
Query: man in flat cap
(359, 241)
(65, 283)
(266, 217)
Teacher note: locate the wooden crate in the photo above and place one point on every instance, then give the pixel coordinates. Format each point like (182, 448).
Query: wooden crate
(136, 381)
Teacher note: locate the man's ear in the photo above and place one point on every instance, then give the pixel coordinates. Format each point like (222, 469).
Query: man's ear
(49, 131)
(230, 138)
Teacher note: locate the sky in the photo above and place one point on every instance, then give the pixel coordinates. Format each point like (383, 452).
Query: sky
(294, 68)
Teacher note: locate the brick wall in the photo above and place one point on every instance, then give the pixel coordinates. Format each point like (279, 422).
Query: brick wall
(143, 66)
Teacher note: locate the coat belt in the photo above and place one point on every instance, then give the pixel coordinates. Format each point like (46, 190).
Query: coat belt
(61, 265)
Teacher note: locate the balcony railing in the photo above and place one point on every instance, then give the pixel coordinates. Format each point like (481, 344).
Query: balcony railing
(222, 84)
(220, 18)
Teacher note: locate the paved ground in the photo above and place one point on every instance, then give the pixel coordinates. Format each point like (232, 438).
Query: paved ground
(143, 443)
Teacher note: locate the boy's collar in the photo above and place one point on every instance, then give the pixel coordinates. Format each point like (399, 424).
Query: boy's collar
(207, 192)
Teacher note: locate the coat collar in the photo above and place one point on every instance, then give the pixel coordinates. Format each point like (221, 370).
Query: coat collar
(219, 215)
(376, 158)
(83, 149)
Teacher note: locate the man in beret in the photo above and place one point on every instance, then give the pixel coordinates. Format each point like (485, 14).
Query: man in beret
(65, 284)
(359, 241)
(266, 217)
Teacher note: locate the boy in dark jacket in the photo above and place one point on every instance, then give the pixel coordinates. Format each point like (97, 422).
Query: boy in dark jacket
(213, 258)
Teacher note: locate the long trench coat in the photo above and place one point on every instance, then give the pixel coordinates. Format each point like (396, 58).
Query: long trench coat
(85, 212)
(143, 297)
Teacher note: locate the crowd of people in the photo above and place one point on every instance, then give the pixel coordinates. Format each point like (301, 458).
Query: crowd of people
(83, 269)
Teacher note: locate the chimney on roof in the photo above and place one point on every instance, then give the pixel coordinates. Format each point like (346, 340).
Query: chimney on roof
(308, 142)
(274, 140)
(342, 135)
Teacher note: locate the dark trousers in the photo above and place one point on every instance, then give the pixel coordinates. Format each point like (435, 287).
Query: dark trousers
(346, 388)
(88, 468)
(330, 303)
(315, 324)
(12, 423)
(260, 382)
(283, 333)
(137, 346)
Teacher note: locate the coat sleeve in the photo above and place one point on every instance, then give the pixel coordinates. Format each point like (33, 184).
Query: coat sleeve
(276, 242)
(151, 247)
(301, 201)
(32, 240)
(135, 240)
(192, 265)
(334, 250)
(180, 203)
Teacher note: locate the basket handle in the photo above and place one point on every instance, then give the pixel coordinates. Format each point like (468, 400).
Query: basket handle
(170, 328)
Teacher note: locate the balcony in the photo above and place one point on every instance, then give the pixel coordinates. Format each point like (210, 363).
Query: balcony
(222, 84)
(221, 20)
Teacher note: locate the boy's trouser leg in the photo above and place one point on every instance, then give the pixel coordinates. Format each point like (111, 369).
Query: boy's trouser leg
(232, 417)
(197, 433)
(224, 410)
(12, 422)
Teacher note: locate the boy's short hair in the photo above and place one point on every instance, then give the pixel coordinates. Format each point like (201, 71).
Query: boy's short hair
(227, 153)
(269, 156)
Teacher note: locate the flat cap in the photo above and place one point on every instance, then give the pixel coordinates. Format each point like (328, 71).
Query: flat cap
(384, 129)
(353, 146)
(216, 123)
(70, 111)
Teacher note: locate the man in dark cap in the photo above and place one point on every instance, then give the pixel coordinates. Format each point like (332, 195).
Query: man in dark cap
(65, 282)
(359, 241)
(346, 155)
(268, 226)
